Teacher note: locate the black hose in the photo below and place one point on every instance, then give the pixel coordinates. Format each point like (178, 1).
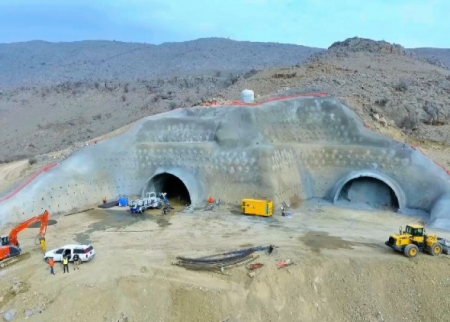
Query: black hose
(220, 261)
(241, 252)
(215, 260)
(213, 266)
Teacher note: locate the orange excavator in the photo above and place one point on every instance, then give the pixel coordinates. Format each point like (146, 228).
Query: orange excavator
(10, 247)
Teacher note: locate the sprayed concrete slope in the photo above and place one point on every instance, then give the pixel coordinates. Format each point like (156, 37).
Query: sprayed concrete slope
(289, 150)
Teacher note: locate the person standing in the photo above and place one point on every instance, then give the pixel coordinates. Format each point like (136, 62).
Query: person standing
(66, 264)
(51, 263)
(42, 242)
(76, 261)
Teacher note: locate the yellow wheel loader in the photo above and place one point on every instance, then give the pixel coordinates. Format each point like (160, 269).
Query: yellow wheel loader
(413, 240)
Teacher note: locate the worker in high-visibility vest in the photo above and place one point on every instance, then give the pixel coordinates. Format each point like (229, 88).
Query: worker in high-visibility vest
(51, 263)
(42, 242)
(66, 263)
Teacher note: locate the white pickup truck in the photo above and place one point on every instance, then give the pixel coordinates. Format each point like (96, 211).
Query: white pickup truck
(85, 252)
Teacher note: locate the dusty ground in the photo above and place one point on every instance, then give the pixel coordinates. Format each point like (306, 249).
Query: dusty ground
(343, 273)
(11, 172)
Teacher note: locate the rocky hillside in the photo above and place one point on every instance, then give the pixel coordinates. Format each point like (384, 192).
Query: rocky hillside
(39, 120)
(377, 79)
(44, 63)
(55, 96)
(58, 95)
(437, 56)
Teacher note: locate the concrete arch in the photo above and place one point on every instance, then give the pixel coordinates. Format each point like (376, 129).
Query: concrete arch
(190, 181)
(373, 174)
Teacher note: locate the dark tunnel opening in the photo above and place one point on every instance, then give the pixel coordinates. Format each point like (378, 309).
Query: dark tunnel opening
(369, 191)
(176, 190)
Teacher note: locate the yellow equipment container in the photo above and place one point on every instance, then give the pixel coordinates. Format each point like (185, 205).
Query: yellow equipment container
(257, 207)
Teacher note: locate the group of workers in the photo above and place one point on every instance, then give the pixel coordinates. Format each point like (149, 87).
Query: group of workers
(65, 262)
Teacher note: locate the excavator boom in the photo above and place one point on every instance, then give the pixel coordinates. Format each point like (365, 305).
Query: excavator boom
(44, 224)
(43, 218)
(10, 251)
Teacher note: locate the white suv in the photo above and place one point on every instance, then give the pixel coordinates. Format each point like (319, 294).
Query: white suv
(85, 252)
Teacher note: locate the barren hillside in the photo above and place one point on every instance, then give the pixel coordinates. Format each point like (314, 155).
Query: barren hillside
(373, 78)
(58, 95)
(40, 63)
(439, 56)
(49, 118)
(78, 91)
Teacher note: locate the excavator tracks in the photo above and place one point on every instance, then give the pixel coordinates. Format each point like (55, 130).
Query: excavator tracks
(14, 260)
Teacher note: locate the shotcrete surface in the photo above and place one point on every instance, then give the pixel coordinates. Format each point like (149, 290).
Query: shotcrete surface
(289, 149)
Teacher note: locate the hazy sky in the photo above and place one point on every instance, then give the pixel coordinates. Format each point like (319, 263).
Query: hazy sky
(411, 23)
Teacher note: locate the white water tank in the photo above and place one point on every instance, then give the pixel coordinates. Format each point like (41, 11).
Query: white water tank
(248, 96)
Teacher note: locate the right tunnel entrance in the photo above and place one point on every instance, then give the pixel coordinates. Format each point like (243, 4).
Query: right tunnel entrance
(172, 185)
(369, 191)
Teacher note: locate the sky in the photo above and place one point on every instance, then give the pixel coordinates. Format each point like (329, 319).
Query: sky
(316, 23)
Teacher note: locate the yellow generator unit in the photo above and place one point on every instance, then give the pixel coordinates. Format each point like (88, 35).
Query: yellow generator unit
(257, 207)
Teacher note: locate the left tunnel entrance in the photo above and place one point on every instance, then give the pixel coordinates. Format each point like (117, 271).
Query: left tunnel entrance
(172, 185)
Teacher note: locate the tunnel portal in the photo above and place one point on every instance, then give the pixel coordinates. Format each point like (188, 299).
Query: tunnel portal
(371, 191)
(172, 185)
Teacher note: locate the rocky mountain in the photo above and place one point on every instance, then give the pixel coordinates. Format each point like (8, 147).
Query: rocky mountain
(436, 56)
(377, 79)
(58, 95)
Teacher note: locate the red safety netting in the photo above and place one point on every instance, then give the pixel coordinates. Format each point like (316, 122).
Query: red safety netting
(415, 147)
(272, 99)
(27, 181)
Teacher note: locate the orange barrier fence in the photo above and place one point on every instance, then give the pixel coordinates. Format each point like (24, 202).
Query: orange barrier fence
(27, 181)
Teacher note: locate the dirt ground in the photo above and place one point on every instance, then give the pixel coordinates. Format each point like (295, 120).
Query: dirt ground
(10, 173)
(343, 270)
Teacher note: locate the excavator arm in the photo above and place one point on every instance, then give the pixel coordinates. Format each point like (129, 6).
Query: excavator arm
(44, 224)
(43, 218)
(10, 252)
